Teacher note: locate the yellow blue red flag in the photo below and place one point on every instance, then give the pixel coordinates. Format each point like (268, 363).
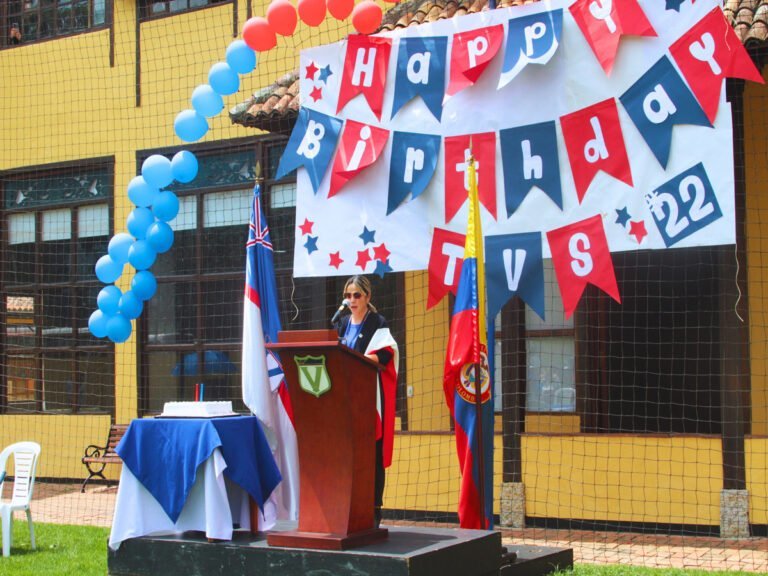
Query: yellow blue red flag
(468, 348)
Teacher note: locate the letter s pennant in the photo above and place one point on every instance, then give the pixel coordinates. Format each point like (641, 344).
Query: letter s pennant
(311, 145)
(604, 22)
(580, 256)
(361, 145)
(709, 53)
(365, 71)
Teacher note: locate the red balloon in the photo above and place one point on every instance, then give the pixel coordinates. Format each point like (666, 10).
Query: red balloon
(340, 9)
(281, 15)
(258, 34)
(366, 17)
(312, 12)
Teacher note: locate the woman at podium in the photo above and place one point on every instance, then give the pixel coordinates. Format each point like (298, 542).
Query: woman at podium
(366, 331)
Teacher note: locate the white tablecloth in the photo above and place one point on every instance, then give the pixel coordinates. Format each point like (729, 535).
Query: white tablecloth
(213, 506)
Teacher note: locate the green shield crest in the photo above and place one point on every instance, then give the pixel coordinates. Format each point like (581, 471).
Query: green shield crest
(313, 376)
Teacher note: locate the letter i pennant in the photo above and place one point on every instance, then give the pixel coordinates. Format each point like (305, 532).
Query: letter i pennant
(580, 256)
(359, 147)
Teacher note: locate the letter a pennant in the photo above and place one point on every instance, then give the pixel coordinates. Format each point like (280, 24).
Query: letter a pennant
(365, 71)
(472, 52)
(580, 256)
(359, 147)
(604, 22)
(595, 142)
(709, 53)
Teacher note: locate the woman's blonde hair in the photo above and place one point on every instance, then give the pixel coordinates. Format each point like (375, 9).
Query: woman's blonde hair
(364, 284)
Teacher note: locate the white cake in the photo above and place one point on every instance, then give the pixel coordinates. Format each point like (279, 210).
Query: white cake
(197, 409)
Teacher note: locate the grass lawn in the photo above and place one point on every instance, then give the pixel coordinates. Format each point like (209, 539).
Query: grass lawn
(82, 551)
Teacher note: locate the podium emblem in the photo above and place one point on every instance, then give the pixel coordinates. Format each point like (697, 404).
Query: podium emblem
(313, 376)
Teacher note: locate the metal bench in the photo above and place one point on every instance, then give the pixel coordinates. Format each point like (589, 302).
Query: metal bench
(96, 458)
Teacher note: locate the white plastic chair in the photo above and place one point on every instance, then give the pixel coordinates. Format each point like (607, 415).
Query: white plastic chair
(25, 456)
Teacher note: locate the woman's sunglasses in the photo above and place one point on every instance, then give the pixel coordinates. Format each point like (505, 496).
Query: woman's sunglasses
(355, 295)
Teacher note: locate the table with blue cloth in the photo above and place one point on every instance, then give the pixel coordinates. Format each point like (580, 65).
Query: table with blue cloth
(182, 474)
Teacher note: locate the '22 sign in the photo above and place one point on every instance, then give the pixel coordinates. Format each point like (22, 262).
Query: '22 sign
(684, 205)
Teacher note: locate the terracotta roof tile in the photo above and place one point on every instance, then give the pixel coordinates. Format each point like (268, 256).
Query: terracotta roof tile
(275, 108)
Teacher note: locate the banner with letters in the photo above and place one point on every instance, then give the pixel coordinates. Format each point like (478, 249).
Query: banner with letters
(596, 126)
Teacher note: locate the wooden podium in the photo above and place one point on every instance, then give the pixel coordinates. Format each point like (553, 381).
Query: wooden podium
(333, 395)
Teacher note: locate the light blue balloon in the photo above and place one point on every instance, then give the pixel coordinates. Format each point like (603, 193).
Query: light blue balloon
(118, 249)
(107, 270)
(160, 237)
(130, 305)
(190, 126)
(156, 170)
(140, 192)
(141, 255)
(206, 101)
(119, 328)
(166, 206)
(97, 324)
(144, 285)
(184, 166)
(241, 57)
(223, 79)
(138, 221)
(108, 299)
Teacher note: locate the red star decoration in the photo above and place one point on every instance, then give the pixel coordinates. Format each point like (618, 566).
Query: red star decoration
(363, 257)
(311, 71)
(381, 253)
(637, 229)
(316, 93)
(306, 228)
(335, 260)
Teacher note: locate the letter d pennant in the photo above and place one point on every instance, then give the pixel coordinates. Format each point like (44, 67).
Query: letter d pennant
(580, 256)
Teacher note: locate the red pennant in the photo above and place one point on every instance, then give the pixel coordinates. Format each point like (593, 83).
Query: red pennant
(709, 53)
(360, 146)
(595, 142)
(472, 52)
(457, 174)
(445, 260)
(604, 22)
(365, 71)
(580, 256)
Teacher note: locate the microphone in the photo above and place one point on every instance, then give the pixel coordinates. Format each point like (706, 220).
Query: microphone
(335, 319)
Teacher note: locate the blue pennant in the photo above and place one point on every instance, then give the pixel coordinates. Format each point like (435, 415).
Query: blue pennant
(514, 266)
(531, 39)
(530, 158)
(414, 160)
(421, 72)
(311, 145)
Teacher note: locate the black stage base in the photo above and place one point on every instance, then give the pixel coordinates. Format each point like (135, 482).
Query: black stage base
(409, 551)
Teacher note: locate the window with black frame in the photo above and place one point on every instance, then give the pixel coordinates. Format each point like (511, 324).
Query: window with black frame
(58, 225)
(149, 9)
(31, 20)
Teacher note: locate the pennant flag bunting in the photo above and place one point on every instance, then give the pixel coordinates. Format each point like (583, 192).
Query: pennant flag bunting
(457, 153)
(413, 163)
(466, 362)
(604, 22)
(311, 145)
(658, 102)
(530, 158)
(595, 142)
(709, 53)
(361, 145)
(265, 391)
(531, 39)
(580, 256)
(421, 72)
(445, 260)
(365, 71)
(472, 52)
(515, 266)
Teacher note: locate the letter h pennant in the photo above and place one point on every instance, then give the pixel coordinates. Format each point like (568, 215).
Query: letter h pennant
(365, 71)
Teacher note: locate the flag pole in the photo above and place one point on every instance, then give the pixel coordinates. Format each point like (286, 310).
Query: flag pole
(480, 455)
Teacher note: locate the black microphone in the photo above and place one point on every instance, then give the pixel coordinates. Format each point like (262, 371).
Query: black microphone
(335, 319)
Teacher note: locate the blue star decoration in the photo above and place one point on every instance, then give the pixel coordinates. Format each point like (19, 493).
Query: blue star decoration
(368, 236)
(622, 216)
(311, 244)
(382, 268)
(674, 5)
(325, 71)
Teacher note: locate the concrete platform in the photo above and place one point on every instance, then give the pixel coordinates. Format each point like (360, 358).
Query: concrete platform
(409, 551)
